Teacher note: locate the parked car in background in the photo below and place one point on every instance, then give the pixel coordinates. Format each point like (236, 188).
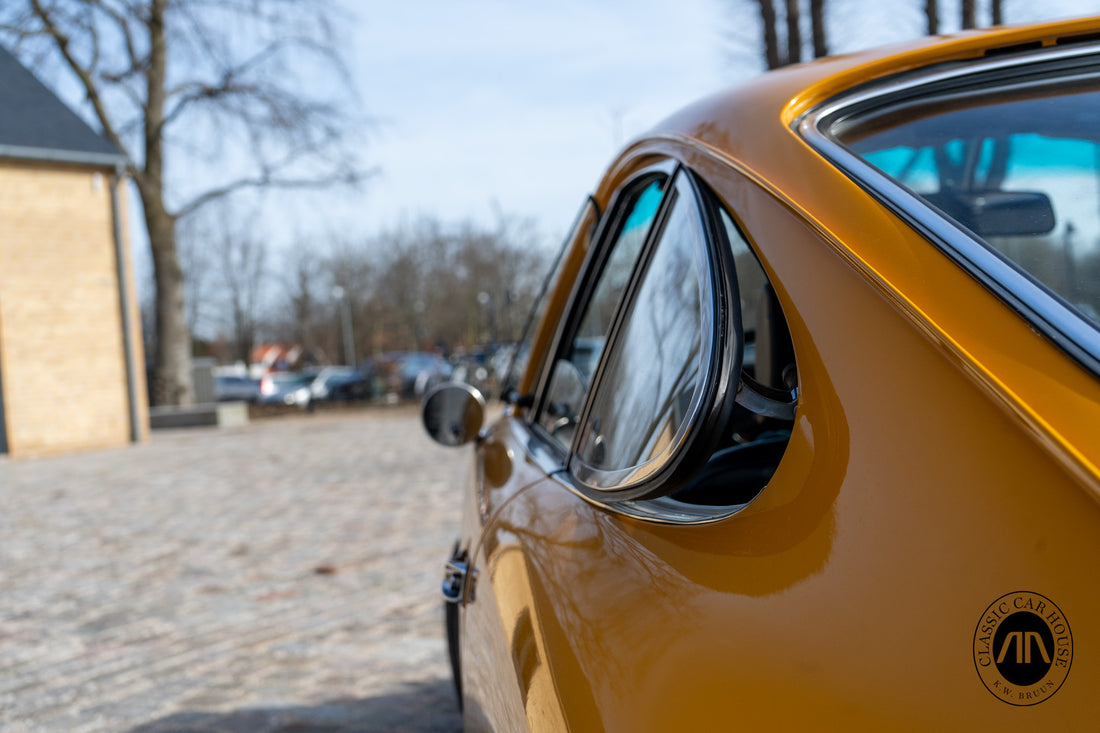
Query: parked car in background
(357, 388)
(474, 368)
(234, 388)
(420, 371)
(807, 434)
(340, 384)
(410, 374)
(286, 388)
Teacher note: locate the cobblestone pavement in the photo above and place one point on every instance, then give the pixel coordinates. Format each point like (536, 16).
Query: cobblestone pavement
(277, 577)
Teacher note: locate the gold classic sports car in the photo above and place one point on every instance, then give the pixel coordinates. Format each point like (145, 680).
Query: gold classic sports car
(808, 431)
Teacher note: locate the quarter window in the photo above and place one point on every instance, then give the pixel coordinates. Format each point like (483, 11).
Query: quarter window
(653, 380)
(675, 388)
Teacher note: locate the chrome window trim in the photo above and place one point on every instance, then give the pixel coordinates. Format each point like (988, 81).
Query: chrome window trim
(666, 509)
(659, 510)
(1050, 314)
(724, 363)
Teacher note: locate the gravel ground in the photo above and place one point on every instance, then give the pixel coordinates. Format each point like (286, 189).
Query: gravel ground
(281, 576)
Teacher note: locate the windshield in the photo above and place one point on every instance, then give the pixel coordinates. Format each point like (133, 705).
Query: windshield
(1018, 168)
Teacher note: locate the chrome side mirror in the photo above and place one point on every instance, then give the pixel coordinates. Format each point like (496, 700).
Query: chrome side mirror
(453, 413)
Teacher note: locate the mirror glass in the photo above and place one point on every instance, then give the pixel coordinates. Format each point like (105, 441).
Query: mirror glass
(453, 413)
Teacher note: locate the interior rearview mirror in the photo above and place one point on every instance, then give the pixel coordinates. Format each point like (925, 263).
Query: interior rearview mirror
(998, 213)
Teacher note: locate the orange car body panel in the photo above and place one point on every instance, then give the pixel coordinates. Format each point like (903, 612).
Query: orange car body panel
(944, 456)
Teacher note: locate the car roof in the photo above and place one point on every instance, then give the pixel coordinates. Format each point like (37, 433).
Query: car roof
(776, 100)
(751, 131)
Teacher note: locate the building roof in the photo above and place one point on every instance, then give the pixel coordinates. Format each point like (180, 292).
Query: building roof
(36, 125)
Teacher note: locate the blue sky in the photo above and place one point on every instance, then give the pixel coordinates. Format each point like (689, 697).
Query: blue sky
(483, 105)
(487, 104)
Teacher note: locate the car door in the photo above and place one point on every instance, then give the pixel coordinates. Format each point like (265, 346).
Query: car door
(625, 411)
(502, 645)
(507, 460)
(619, 568)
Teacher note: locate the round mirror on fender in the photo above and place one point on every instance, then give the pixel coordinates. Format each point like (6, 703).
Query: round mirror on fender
(453, 413)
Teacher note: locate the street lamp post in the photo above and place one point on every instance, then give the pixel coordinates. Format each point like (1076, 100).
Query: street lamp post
(345, 320)
(485, 299)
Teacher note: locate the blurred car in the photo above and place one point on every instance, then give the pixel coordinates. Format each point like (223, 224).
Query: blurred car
(473, 373)
(357, 388)
(420, 371)
(474, 368)
(286, 388)
(806, 438)
(410, 374)
(340, 384)
(234, 388)
(507, 357)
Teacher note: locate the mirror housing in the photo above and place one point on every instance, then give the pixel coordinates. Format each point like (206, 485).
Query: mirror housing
(453, 413)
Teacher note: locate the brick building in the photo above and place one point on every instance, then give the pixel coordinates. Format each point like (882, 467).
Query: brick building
(71, 374)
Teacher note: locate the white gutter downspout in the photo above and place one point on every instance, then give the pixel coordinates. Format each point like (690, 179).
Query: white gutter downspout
(124, 302)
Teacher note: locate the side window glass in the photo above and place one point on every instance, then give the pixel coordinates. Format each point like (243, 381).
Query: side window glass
(583, 226)
(576, 365)
(653, 382)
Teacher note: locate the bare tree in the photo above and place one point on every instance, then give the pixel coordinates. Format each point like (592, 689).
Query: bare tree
(455, 285)
(303, 274)
(794, 32)
(996, 11)
(242, 270)
(817, 23)
(195, 263)
(932, 14)
(226, 277)
(425, 285)
(401, 288)
(968, 14)
(216, 91)
(777, 54)
(351, 269)
(768, 20)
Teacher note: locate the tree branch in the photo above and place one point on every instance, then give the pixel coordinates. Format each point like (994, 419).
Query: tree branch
(63, 43)
(794, 33)
(817, 23)
(207, 93)
(771, 39)
(968, 14)
(932, 17)
(137, 63)
(266, 180)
